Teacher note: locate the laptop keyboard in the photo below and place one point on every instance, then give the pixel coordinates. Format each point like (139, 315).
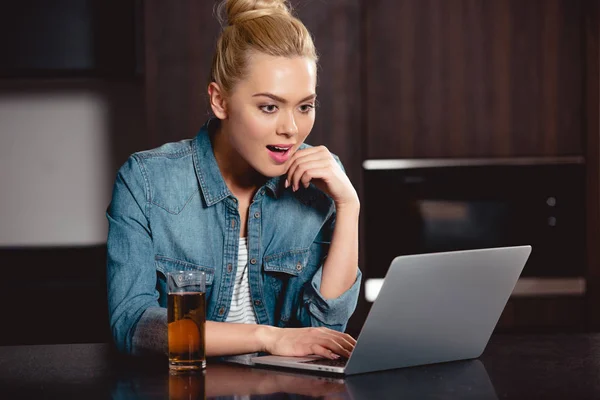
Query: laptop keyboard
(341, 362)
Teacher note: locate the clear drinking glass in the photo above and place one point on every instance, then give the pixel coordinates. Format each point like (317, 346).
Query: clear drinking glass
(186, 314)
(186, 385)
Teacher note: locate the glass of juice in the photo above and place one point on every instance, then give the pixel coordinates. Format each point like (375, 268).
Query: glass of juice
(186, 385)
(186, 315)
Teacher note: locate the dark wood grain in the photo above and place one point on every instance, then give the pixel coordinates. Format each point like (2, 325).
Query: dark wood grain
(592, 96)
(544, 314)
(335, 26)
(467, 78)
(179, 42)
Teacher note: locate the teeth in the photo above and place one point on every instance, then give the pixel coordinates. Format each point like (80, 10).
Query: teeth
(280, 148)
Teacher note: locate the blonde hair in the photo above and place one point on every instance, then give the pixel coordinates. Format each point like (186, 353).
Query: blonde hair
(265, 26)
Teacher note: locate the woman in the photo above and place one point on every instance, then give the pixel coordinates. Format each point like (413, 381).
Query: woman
(272, 221)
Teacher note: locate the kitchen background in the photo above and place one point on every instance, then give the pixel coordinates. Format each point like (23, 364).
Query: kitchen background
(85, 83)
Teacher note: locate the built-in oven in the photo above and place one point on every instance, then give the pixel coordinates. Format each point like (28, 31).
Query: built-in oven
(414, 206)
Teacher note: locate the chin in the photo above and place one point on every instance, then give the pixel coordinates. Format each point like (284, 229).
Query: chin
(273, 171)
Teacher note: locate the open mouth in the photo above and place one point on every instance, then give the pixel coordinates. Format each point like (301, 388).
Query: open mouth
(280, 153)
(278, 149)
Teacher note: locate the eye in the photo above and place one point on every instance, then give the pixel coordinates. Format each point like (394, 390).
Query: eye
(306, 108)
(268, 109)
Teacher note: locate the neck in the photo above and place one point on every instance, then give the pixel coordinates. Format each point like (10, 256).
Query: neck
(240, 177)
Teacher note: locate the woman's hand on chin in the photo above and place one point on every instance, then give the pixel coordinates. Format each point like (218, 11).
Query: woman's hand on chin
(317, 165)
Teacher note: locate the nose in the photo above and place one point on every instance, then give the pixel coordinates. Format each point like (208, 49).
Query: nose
(287, 124)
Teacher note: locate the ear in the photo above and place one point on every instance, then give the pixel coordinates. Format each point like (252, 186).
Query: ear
(218, 104)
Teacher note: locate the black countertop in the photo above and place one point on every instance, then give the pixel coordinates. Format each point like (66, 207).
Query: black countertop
(512, 367)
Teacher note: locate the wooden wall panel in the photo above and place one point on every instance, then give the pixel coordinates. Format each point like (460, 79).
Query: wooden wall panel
(592, 97)
(470, 78)
(335, 26)
(544, 314)
(179, 39)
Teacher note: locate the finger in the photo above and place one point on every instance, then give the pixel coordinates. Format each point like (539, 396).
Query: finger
(350, 339)
(347, 337)
(300, 161)
(294, 179)
(345, 343)
(319, 350)
(308, 150)
(310, 153)
(330, 342)
(319, 151)
(310, 174)
(346, 340)
(337, 346)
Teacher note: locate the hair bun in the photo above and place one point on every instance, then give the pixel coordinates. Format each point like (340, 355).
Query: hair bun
(240, 11)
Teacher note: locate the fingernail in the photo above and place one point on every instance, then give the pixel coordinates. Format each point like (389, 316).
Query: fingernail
(287, 183)
(306, 185)
(334, 356)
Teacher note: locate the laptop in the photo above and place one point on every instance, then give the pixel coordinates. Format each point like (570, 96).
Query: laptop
(431, 308)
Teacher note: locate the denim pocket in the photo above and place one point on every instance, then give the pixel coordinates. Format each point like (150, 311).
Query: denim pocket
(280, 267)
(166, 264)
(291, 262)
(284, 276)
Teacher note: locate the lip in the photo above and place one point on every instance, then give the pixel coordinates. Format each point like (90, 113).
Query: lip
(280, 158)
(284, 146)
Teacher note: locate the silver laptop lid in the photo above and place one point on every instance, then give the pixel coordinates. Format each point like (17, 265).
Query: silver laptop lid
(437, 307)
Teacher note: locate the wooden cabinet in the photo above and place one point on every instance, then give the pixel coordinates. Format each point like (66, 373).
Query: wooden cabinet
(466, 78)
(179, 39)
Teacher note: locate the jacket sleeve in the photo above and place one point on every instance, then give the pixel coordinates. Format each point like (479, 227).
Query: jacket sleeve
(131, 274)
(331, 313)
(334, 313)
(319, 311)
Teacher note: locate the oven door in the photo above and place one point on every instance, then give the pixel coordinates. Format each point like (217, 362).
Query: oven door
(466, 205)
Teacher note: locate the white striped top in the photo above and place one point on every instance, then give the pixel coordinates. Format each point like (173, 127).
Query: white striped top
(241, 310)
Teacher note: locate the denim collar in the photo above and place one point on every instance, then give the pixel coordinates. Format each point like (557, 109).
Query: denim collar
(213, 186)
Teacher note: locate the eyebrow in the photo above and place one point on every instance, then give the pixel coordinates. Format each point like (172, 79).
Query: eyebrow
(281, 99)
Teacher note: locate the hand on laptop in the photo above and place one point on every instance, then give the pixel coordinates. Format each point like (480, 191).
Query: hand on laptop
(300, 342)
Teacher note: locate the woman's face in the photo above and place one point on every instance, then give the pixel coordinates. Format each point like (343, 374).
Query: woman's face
(270, 112)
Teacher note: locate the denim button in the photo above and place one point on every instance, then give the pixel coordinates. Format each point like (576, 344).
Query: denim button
(256, 215)
(253, 261)
(229, 268)
(257, 302)
(299, 266)
(221, 310)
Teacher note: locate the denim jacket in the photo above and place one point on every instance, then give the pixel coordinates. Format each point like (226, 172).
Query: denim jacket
(171, 210)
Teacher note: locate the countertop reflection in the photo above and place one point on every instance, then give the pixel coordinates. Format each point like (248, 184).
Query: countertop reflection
(512, 367)
(460, 380)
(227, 381)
